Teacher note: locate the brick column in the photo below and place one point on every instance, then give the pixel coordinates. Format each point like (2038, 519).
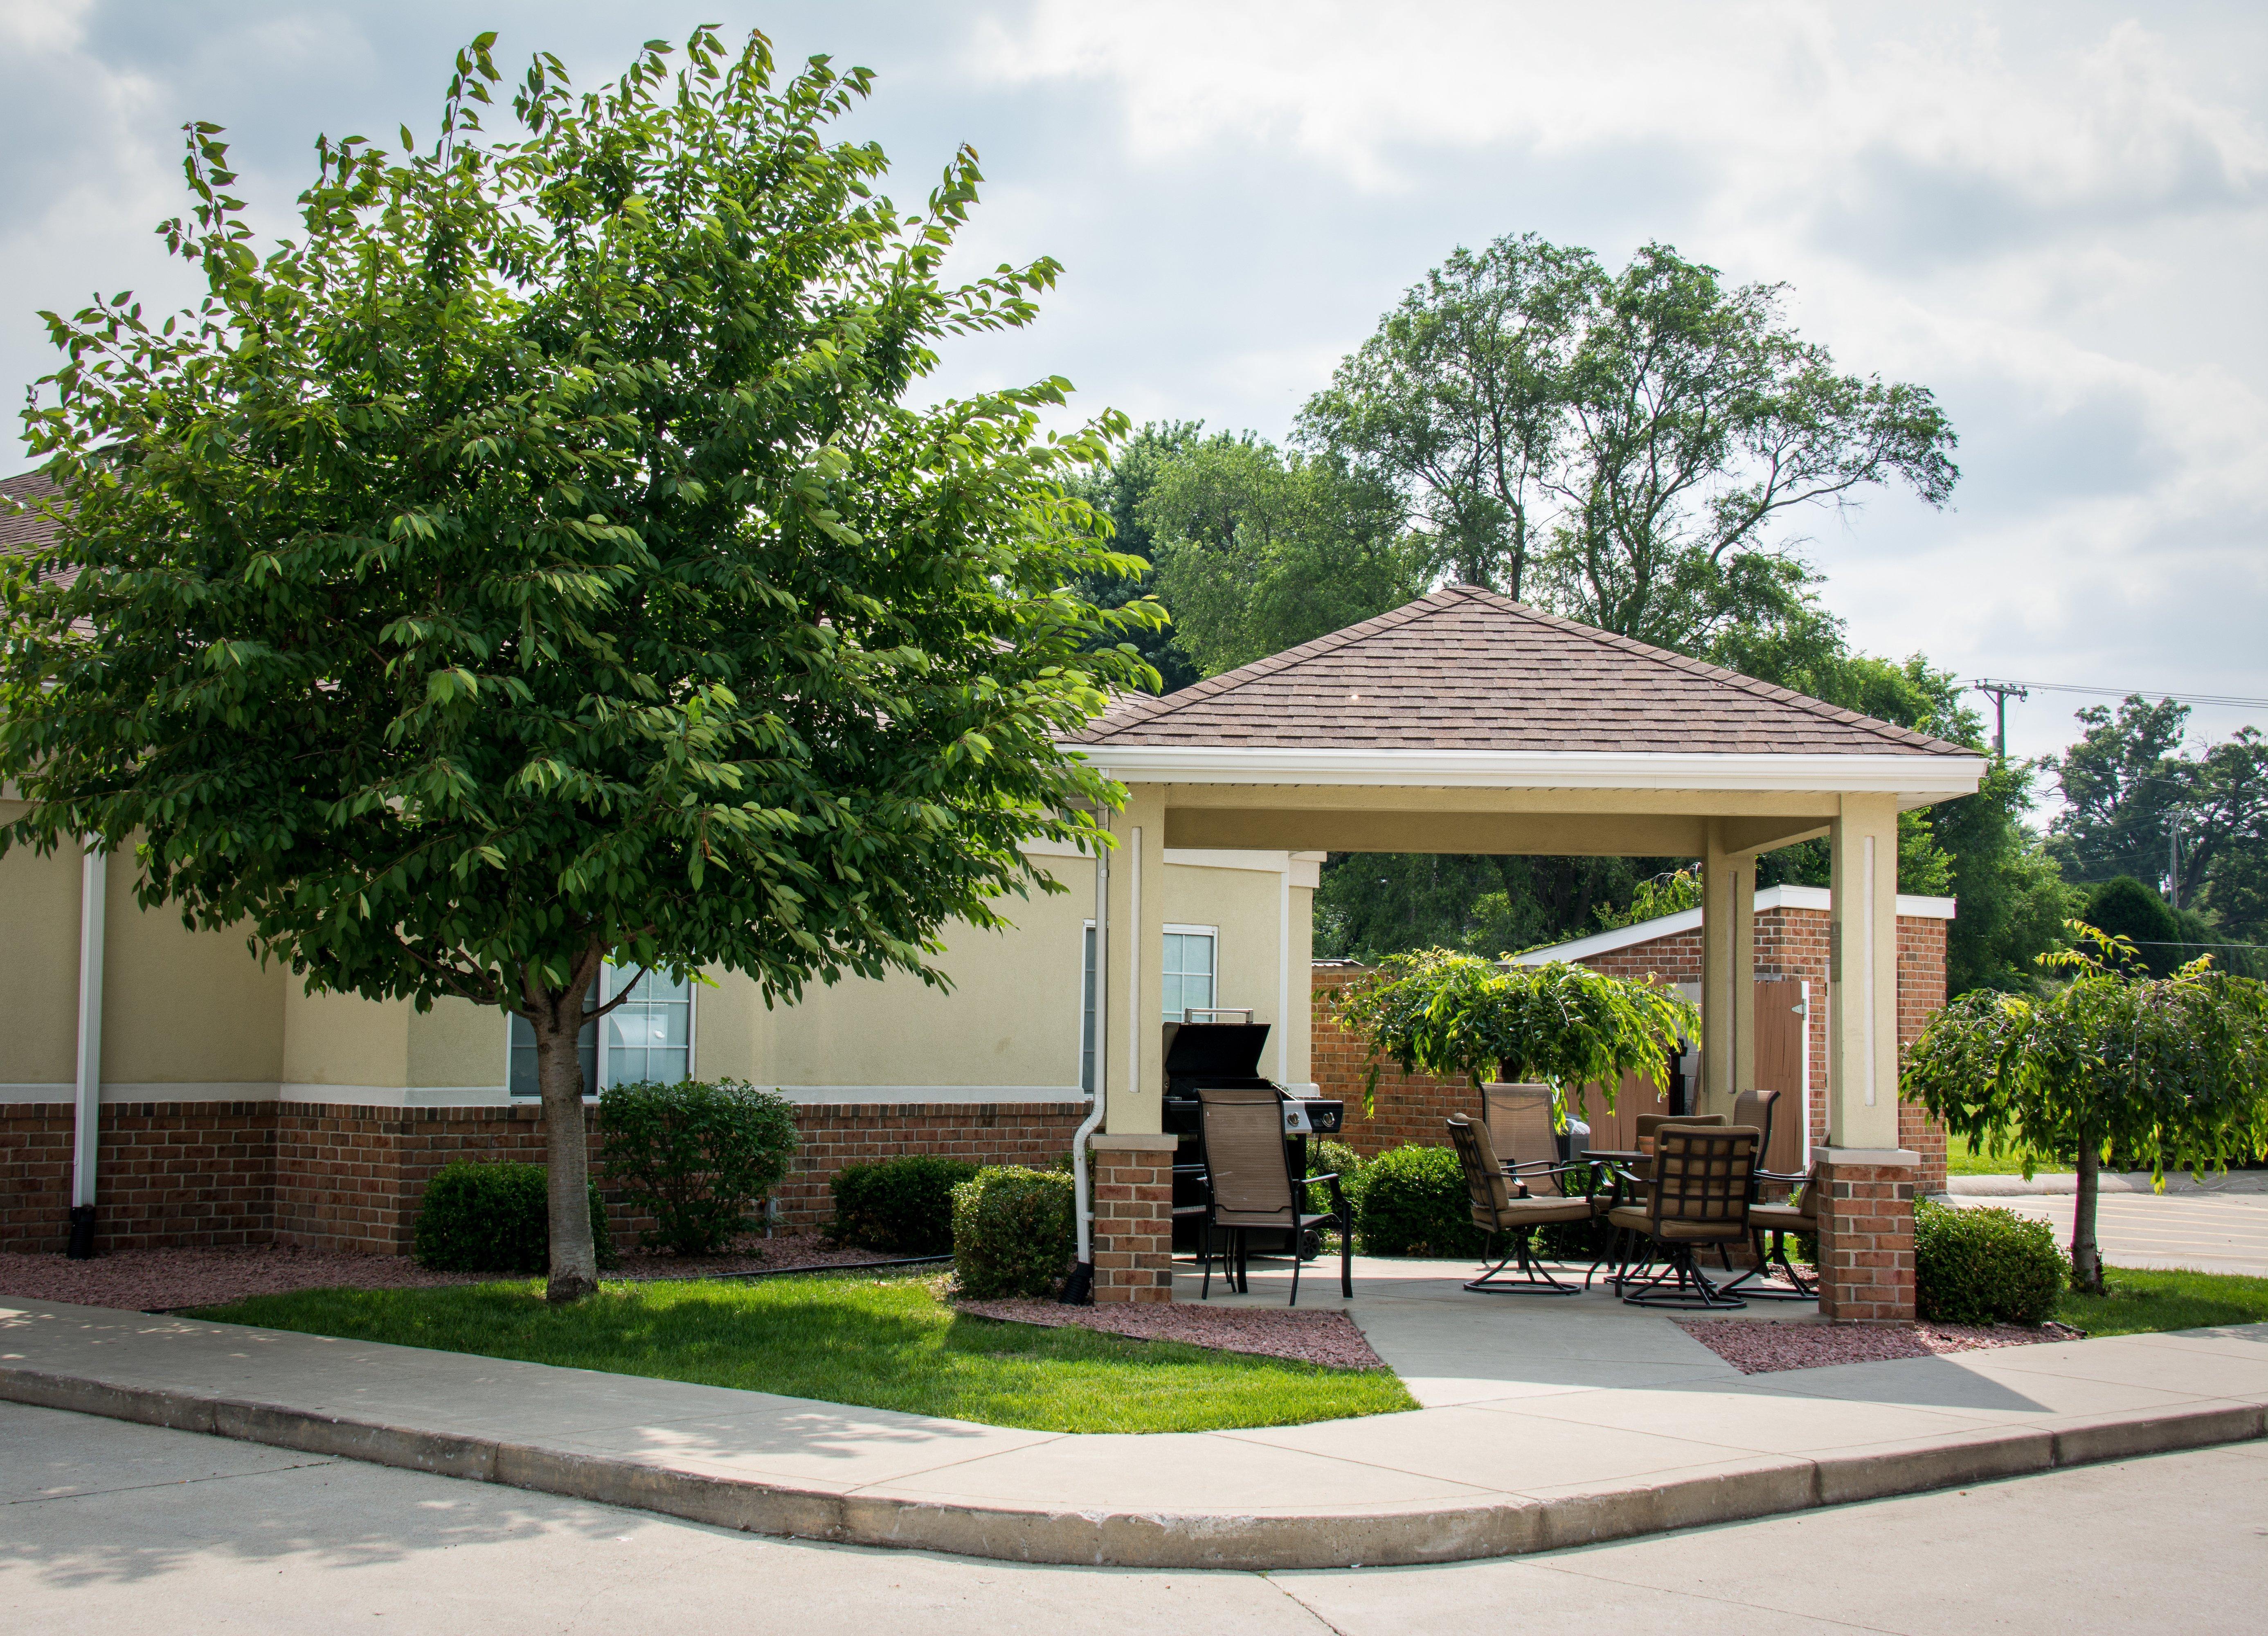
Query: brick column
(1865, 1235)
(1134, 1217)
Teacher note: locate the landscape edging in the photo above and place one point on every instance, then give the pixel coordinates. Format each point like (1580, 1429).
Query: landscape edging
(1393, 1535)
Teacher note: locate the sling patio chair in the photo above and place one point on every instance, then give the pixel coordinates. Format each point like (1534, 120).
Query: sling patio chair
(1249, 1185)
(1799, 1215)
(1521, 1133)
(1698, 1196)
(1499, 1214)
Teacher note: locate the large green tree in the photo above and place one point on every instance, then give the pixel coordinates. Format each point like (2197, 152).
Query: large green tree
(1625, 447)
(1258, 551)
(535, 563)
(1118, 492)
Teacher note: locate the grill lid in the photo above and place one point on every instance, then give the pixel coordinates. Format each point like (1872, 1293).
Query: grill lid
(1224, 1049)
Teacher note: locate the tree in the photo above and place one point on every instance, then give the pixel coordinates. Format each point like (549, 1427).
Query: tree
(2114, 1060)
(1622, 447)
(2136, 805)
(536, 564)
(1258, 552)
(1118, 491)
(1460, 1016)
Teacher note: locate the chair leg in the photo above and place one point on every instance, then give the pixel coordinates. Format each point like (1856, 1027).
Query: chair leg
(1532, 1280)
(1346, 1254)
(1295, 1266)
(1205, 1259)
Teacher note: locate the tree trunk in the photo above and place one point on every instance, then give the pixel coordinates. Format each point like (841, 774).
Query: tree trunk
(559, 1074)
(2086, 1258)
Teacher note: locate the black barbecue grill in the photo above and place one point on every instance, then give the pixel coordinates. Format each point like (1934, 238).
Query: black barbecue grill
(1205, 1055)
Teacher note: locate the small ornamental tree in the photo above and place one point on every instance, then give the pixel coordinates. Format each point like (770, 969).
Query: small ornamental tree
(1567, 1026)
(535, 563)
(2114, 1060)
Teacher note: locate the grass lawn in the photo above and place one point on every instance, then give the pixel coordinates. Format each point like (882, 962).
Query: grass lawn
(1961, 1159)
(2138, 1302)
(884, 1344)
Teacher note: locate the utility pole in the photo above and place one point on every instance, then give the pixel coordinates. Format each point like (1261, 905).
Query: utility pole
(2001, 692)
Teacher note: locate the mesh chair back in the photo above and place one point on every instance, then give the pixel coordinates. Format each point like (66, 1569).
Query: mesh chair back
(1519, 1119)
(1755, 1108)
(1647, 1124)
(1245, 1156)
(1492, 1195)
(1701, 1180)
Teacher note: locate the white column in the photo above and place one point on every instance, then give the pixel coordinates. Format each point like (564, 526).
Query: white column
(1284, 975)
(1138, 966)
(1862, 976)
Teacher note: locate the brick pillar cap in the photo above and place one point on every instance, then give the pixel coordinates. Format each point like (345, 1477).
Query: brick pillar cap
(1884, 1156)
(1134, 1142)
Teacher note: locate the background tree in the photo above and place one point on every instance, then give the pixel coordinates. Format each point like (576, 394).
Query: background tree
(2137, 805)
(535, 563)
(2114, 1060)
(1258, 552)
(1117, 490)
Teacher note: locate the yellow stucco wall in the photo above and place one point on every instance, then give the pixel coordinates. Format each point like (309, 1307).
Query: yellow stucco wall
(183, 1007)
(39, 964)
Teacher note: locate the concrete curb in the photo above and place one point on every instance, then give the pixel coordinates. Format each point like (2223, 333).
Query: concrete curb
(1388, 1536)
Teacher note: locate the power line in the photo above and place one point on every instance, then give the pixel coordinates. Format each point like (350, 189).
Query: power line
(2002, 688)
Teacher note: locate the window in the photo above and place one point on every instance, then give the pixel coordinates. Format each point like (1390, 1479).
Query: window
(1189, 969)
(649, 1036)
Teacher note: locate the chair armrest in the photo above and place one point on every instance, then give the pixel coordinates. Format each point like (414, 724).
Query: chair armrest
(1780, 1176)
(1329, 1178)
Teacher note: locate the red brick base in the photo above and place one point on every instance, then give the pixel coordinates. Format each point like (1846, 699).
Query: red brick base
(320, 1175)
(1134, 1218)
(1866, 1244)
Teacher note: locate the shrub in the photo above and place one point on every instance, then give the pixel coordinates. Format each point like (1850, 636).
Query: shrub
(493, 1218)
(697, 1156)
(903, 1204)
(1327, 1157)
(1985, 1267)
(1414, 1203)
(1013, 1231)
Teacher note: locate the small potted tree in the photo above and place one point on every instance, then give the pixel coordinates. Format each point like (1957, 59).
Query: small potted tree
(1456, 1015)
(2174, 1066)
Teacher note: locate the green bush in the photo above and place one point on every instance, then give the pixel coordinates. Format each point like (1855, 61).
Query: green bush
(1985, 1267)
(1414, 1203)
(1328, 1157)
(698, 1158)
(1013, 1231)
(903, 1205)
(493, 1218)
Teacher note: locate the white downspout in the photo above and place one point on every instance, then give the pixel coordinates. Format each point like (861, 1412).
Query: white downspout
(86, 1131)
(1080, 1290)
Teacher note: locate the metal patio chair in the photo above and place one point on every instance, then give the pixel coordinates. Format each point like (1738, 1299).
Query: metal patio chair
(1250, 1186)
(1800, 1215)
(1698, 1196)
(1497, 1214)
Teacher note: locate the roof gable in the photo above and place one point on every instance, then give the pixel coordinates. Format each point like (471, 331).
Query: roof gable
(1466, 670)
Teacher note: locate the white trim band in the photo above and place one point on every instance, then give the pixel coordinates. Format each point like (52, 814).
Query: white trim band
(1916, 775)
(1816, 899)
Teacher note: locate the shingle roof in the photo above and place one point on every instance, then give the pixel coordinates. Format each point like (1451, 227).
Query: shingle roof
(22, 529)
(1465, 669)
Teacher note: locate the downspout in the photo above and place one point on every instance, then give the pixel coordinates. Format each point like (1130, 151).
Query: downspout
(86, 1128)
(1079, 1288)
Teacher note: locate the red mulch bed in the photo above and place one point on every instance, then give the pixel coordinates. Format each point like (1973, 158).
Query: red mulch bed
(1765, 1347)
(159, 1281)
(1328, 1339)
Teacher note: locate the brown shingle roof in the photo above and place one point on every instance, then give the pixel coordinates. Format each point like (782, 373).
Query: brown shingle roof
(1465, 669)
(22, 529)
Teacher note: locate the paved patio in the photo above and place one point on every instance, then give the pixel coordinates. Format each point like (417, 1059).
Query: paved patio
(1547, 1422)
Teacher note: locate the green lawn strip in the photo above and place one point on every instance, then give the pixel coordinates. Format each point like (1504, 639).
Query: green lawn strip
(2138, 1302)
(884, 1344)
(1962, 1159)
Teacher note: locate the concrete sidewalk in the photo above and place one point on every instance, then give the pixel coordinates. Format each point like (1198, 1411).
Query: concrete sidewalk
(1545, 1455)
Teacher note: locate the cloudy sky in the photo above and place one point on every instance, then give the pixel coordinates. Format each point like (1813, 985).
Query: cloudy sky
(2054, 216)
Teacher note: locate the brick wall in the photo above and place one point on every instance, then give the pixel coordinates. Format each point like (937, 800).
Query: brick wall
(1790, 943)
(326, 1176)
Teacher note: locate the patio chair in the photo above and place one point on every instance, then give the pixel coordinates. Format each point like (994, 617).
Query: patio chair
(1497, 1214)
(1700, 1196)
(1634, 1187)
(1800, 1215)
(1521, 1134)
(1755, 1108)
(1250, 1186)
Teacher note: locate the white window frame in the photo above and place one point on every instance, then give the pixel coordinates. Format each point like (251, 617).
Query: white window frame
(606, 1078)
(1177, 929)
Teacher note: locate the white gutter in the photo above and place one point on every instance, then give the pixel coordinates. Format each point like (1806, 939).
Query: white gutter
(1082, 1278)
(1917, 775)
(87, 1127)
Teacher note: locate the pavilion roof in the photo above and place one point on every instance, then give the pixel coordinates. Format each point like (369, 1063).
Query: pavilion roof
(1466, 670)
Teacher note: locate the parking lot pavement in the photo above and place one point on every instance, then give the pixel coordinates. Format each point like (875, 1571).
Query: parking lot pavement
(101, 1522)
(2208, 1232)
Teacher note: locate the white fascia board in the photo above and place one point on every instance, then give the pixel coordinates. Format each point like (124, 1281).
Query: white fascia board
(1933, 776)
(1817, 899)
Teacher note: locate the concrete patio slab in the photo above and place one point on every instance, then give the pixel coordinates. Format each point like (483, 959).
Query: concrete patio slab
(1571, 1450)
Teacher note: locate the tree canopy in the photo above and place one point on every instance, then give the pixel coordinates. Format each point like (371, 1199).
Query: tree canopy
(535, 563)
